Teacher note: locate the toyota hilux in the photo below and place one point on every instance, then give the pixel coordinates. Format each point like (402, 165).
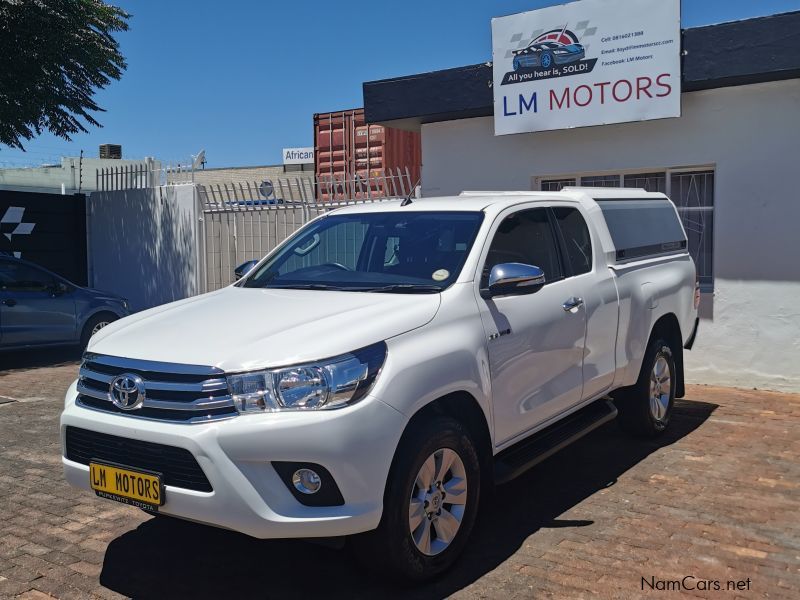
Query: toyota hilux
(373, 376)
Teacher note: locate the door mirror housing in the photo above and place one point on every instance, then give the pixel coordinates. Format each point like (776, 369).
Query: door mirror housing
(59, 288)
(243, 269)
(509, 279)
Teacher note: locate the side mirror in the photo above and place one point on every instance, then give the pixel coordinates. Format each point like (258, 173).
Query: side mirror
(243, 269)
(59, 288)
(507, 279)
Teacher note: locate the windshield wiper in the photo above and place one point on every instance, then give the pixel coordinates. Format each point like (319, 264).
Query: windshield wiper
(399, 288)
(407, 288)
(306, 286)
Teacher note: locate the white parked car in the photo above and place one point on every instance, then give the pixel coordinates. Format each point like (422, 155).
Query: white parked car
(384, 366)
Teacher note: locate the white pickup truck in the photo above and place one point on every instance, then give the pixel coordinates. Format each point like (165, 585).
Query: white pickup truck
(378, 371)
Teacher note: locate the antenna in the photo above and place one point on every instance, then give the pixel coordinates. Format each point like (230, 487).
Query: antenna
(407, 200)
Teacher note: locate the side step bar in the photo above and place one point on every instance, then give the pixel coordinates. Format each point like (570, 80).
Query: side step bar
(520, 457)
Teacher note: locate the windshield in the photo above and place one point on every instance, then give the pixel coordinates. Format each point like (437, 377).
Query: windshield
(408, 251)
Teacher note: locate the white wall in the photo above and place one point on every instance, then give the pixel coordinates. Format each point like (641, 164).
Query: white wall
(751, 135)
(50, 179)
(143, 244)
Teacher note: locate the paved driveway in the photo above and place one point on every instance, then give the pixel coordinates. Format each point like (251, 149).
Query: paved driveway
(717, 499)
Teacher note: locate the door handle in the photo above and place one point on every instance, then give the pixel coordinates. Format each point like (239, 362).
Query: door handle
(571, 303)
(10, 302)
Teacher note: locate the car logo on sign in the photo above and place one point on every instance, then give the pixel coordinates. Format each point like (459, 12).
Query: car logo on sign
(127, 391)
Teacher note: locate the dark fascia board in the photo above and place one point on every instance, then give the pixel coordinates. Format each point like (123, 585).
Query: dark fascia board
(726, 54)
(742, 52)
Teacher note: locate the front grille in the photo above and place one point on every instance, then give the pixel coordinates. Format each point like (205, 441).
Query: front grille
(177, 465)
(173, 392)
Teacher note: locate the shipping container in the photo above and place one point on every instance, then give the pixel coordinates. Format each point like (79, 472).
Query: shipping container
(349, 153)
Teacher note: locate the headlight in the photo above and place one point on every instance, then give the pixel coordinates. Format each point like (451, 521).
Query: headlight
(330, 383)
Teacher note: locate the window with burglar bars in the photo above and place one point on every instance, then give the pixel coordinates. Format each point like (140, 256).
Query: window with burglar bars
(692, 191)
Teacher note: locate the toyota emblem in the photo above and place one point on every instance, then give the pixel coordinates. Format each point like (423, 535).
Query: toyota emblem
(127, 391)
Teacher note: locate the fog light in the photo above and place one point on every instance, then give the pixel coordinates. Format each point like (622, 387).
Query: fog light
(306, 481)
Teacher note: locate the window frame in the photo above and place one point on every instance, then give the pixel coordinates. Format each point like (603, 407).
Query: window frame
(51, 279)
(566, 268)
(562, 241)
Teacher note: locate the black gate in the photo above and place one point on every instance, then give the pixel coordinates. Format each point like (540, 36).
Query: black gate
(47, 229)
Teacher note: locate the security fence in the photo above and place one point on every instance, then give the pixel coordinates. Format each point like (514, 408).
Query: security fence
(246, 221)
(138, 176)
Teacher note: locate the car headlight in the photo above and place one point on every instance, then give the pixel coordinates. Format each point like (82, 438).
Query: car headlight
(325, 384)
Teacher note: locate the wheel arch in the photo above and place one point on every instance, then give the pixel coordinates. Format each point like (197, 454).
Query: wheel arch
(464, 408)
(101, 310)
(668, 327)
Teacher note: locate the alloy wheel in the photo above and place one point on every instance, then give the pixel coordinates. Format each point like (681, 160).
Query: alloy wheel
(438, 500)
(99, 326)
(660, 388)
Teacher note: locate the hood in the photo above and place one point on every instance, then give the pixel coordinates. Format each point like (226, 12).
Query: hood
(247, 328)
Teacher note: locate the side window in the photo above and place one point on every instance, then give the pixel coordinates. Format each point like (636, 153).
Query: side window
(16, 277)
(576, 237)
(525, 237)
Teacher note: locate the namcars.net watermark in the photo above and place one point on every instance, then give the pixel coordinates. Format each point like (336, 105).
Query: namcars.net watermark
(690, 582)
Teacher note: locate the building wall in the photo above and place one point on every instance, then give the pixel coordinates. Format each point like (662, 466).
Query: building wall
(251, 175)
(47, 229)
(143, 244)
(751, 136)
(68, 173)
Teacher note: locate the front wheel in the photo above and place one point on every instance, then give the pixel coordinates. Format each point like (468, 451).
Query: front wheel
(430, 503)
(93, 325)
(646, 407)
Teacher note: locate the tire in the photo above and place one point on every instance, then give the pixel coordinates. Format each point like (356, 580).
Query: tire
(548, 58)
(398, 548)
(93, 325)
(646, 407)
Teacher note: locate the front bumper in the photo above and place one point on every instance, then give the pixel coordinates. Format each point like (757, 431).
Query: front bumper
(355, 444)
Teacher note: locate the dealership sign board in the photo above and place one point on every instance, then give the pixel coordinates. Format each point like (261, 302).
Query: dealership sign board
(591, 62)
(298, 156)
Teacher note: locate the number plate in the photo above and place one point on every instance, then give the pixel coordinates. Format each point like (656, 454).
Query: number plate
(142, 489)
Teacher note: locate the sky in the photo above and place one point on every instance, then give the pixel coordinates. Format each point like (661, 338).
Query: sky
(242, 79)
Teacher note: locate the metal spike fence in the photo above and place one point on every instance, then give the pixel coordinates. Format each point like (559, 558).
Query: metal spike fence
(125, 177)
(132, 176)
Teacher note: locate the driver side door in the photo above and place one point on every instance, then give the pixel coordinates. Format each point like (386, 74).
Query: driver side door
(535, 345)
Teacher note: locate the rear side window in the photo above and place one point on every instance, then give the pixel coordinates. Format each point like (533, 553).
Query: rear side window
(642, 228)
(576, 237)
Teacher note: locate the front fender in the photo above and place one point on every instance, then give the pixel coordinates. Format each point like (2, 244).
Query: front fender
(447, 355)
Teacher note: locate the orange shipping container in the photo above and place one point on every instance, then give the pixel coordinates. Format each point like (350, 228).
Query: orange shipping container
(346, 148)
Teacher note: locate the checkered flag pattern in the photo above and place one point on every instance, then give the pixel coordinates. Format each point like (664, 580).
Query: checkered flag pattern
(520, 40)
(12, 224)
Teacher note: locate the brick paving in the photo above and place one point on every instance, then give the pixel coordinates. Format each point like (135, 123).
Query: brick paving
(716, 499)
